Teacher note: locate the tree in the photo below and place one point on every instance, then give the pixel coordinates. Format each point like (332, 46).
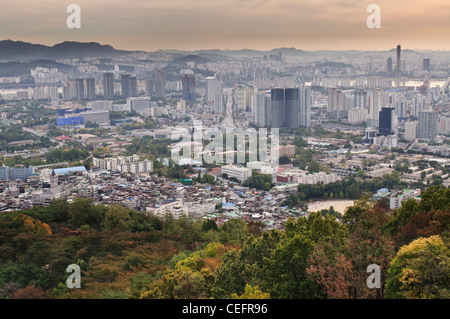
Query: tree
(82, 211)
(283, 160)
(314, 167)
(420, 270)
(116, 216)
(30, 292)
(251, 293)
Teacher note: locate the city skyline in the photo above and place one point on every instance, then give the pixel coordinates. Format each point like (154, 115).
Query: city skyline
(249, 24)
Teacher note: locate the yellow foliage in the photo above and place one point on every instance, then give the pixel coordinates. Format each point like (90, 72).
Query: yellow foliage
(35, 226)
(251, 293)
(419, 245)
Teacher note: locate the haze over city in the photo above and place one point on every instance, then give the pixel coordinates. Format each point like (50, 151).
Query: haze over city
(216, 24)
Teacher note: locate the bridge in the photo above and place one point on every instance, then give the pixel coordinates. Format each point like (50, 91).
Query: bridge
(446, 84)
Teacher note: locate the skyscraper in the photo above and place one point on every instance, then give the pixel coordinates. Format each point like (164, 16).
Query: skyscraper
(188, 87)
(290, 107)
(389, 66)
(160, 83)
(386, 116)
(427, 126)
(133, 86)
(108, 86)
(212, 86)
(125, 84)
(277, 108)
(262, 108)
(304, 114)
(150, 87)
(79, 89)
(398, 67)
(218, 102)
(90, 89)
(426, 65)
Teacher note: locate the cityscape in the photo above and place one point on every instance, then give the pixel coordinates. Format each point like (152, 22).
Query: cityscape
(223, 173)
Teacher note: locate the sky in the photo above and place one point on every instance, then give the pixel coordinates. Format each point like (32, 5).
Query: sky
(231, 24)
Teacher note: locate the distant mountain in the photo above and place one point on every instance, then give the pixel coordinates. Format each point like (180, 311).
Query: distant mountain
(23, 51)
(191, 58)
(23, 68)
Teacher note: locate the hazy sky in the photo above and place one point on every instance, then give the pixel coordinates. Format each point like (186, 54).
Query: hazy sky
(231, 24)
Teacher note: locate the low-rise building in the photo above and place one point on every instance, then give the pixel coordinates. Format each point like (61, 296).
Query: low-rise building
(175, 208)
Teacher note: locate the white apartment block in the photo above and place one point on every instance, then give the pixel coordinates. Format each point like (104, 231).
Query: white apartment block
(410, 131)
(396, 201)
(240, 173)
(112, 163)
(174, 208)
(317, 178)
(141, 167)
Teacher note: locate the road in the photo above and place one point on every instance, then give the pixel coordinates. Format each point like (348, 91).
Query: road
(228, 121)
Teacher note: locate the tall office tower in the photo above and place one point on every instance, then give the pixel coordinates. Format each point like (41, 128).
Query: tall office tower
(262, 108)
(427, 127)
(386, 126)
(389, 66)
(277, 108)
(160, 83)
(426, 65)
(150, 87)
(133, 85)
(108, 86)
(125, 82)
(291, 107)
(188, 87)
(90, 89)
(212, 86)
(398, 67)
(305, 98)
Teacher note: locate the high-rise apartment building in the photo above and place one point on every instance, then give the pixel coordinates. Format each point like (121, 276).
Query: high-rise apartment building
(304, 115)
(79, 89)
(389, 66)
(90, 89)
(212, 86)
(160, 83)
(410, 131)
(129, 85)
(262, 108)
(108, 86)
(150, 87)
(427, 127)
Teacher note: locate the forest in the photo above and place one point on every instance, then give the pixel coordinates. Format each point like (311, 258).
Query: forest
(126, 254)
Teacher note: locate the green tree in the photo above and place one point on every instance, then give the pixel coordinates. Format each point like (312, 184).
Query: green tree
(420, 270)
(116, 216)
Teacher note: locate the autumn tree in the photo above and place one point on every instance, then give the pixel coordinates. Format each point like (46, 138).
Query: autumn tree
(420, 270)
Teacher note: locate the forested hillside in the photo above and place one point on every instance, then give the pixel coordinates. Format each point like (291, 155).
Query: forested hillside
(126, 254)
